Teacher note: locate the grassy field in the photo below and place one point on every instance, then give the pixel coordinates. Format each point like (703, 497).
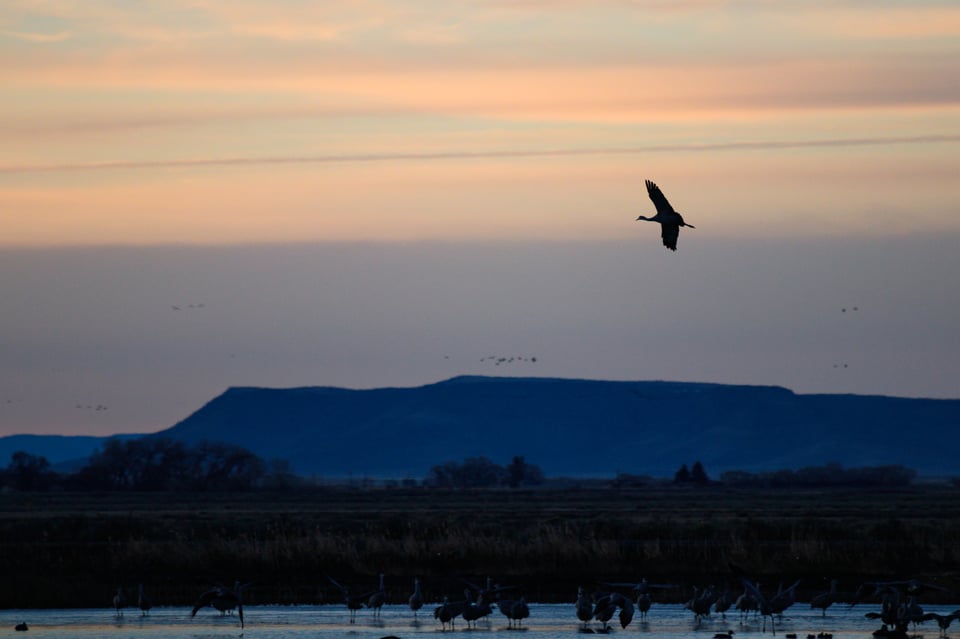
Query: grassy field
(66, 550)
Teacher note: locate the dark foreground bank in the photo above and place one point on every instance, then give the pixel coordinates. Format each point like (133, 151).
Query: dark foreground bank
(74, 550)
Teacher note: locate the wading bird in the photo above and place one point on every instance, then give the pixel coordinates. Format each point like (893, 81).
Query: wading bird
(474, 610)
(416, 599)
(377, 598)
(119, 601)
(447, 611)
(670, 221)
(143, 601)
(223, 599)
(584, 607)
(353, 602)
(943, 621)
(764, 606)
(825, 599)
(518, 612)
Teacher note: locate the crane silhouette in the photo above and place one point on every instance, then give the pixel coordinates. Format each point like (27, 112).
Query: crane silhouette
(119, 601)
(377, 598)
(584, 607)
(416, 599)
(143, 601)
(825, 599)
(447, 611)
(353, 601)
(474, 610)
(670, 221)
(223, 599)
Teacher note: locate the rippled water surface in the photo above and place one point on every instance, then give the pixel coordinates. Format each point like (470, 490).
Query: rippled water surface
(547, 621)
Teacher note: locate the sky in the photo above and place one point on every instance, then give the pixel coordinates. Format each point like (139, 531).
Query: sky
(196, 195)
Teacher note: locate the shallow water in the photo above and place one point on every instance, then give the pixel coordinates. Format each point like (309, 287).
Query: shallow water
(547, 621)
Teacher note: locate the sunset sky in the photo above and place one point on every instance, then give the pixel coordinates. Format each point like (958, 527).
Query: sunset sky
(368, 193)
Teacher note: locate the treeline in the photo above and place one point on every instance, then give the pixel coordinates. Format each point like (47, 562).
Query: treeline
(828, 475)
(481, 472)
(152, 464)
(161, 464)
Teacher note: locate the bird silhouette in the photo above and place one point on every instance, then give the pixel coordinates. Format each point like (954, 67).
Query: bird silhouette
(943, 621)
(825, 599)
(723, 602)
(416, 599)
(474, 610)
(223, 599)
(353, 602)
(143, 601)
(584, 607)
(626, 610)
(518, 611)
(745, 604)
(447, 611)
(670, 221)
(700, 603)
(765, 607)
(603, 608)
(784, 599)
(377, 598)
(119, 601)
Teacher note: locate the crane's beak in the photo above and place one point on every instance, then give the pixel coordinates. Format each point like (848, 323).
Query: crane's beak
(690, 226)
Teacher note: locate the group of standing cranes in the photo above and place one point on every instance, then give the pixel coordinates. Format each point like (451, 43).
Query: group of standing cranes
(478, 602)
(899, 607)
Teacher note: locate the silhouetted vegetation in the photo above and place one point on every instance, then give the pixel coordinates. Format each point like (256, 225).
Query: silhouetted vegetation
(481, 472)
(154, 464)
(160, 464)
(73, 549)
(829, 475)
(695, 475)
(28, 472)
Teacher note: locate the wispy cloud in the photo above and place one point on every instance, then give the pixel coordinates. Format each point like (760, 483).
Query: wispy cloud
(39, 38)
(346, 158)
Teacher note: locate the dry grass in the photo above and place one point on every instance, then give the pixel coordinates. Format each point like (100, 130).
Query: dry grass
(73, 550)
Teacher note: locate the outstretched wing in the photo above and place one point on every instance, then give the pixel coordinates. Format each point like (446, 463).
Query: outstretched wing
(203, 601)
(670, 233)
(659, 199)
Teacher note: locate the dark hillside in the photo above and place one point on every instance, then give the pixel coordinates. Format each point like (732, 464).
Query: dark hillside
(576, 427)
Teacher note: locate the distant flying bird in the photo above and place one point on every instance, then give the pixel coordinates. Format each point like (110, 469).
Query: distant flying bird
(670, 221)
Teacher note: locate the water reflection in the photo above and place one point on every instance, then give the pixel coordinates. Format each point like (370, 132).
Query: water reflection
(546, 621)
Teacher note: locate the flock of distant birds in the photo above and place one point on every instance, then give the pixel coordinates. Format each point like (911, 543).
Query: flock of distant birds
(899, 607)
(670, 222)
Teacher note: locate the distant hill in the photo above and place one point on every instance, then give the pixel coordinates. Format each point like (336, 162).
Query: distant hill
(64, 452)
(577, 427)
(568, 427)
